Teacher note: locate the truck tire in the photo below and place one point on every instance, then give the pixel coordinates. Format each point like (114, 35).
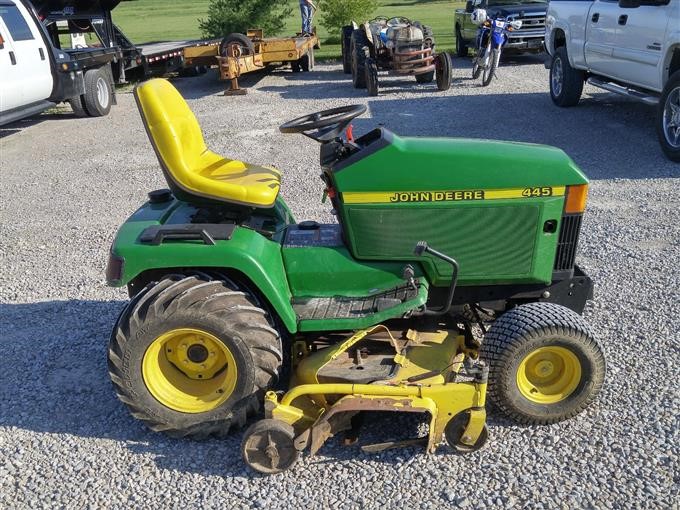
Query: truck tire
(544, 364)
(192, 356)
(668, 118)
(566, 83)
(78, 107)
(245, 45)
(461, 47)
(359, 50)
(346, 50)
(98, 92)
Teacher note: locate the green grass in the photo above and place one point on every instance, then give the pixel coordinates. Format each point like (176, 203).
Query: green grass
(160, 20)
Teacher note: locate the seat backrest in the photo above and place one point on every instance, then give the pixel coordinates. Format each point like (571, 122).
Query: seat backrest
(173, 130)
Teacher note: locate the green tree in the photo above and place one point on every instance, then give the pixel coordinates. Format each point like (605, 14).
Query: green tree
(337, 13)
(227, 16)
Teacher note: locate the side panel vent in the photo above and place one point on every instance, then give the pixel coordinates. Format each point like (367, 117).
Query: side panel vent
(566, 247)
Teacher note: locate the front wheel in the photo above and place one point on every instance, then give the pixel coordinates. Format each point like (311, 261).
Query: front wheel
(566, 83)
(192, 356)
(544, 364)
(444, 71)
(490, 68)
(371, 69)
(668, 118)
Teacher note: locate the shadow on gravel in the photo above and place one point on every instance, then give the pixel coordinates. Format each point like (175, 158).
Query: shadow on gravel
(55, 381)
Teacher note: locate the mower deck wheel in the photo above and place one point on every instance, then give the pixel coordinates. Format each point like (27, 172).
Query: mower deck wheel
(191, 355)
(454, 433)
(268, 446)
(544, 363)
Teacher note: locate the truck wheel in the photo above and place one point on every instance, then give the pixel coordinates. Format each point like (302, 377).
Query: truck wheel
(245, 46)
(346, 51)
(192, 357)
(98, 92)
(371, 69)
(359, 49)
(461, 47)
(444, 74)
(78, 107)
(566, 83)
(544, 365)
(668, 118)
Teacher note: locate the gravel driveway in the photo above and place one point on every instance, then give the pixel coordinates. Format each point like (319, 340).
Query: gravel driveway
(67, 184)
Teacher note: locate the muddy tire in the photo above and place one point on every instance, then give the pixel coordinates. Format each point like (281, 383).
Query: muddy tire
(192, 356)
(544, 363)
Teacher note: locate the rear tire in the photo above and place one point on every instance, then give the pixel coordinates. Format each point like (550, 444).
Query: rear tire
(566, 83)
(544, 364)
(668, 118)
(371, 77)
(160, 378)
(78, 107)
(346, 49)
(461, 47)
(98, 92)
(444, 71)
(360, 52)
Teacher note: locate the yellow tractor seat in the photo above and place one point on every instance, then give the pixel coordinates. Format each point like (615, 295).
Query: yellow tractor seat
(192, 171)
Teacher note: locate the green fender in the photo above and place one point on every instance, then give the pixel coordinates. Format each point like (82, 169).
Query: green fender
(247, 252)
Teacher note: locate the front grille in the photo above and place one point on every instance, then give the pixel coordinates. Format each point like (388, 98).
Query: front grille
(532, 23)
(566, 246)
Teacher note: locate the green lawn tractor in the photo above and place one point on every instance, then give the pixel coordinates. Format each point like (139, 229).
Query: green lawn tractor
(450, 270)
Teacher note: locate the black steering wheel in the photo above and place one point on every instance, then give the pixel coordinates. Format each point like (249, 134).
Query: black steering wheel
(325, 125)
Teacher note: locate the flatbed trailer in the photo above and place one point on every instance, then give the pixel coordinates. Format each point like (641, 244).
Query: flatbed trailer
(236, 55)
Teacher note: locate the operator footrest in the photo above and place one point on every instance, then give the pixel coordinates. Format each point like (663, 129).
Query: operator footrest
(341, 307)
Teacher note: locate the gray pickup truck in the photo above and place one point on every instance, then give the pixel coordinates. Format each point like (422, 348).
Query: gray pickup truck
(528, 38)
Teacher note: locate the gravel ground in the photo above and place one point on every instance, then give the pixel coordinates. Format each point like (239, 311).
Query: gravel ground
(67, 184)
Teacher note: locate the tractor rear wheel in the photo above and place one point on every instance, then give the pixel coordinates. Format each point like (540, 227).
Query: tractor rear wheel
(359, 50)
(346, 49)
(544, 363)
(192, 356)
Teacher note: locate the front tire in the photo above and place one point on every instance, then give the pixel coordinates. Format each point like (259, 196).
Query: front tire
(544, 364)
(444, 71)
(192, 356)
(490, 70)
(566, 83)
(359, 49)
(371, 69)
(668, 118)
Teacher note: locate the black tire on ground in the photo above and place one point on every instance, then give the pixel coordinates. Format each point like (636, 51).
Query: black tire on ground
(425, 77)
(477, 63)
(189, 72)
(371, 69)
(245, 44)
(523, 335)
(77, 106)
(346, 50)
(566, 83)
(295, 66)
(360, 52)
(216, 307)
(444, 71)
(268, 446)
(98, 92)
(667, 113)
(488, 73)
(461, 47)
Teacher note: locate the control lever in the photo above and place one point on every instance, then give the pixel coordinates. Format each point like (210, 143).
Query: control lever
(422, 248)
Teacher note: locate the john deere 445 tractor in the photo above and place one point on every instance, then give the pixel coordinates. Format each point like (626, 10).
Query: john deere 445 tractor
(450, 270)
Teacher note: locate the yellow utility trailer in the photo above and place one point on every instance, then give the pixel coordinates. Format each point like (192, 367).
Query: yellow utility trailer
(239, 54)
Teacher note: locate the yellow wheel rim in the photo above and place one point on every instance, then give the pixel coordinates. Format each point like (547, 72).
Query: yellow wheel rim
(548, 375)
(189, 370)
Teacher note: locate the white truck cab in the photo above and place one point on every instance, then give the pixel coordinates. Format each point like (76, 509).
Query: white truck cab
(27, 80)
(631, 47)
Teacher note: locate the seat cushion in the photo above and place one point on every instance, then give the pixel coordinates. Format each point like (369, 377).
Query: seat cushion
(188, 164)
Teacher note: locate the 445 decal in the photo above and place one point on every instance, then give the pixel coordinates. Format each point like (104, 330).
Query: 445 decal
(544, 191)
